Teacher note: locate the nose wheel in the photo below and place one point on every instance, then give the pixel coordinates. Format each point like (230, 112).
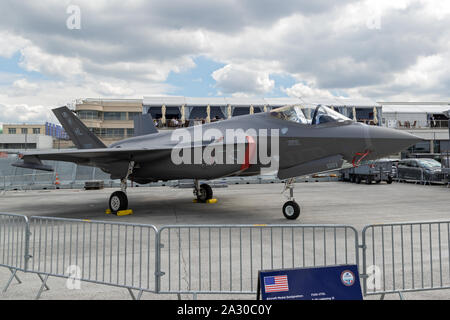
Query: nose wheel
(291, 209)
(118, 200)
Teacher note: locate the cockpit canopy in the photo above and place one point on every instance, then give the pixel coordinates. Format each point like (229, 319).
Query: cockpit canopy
(309, 115)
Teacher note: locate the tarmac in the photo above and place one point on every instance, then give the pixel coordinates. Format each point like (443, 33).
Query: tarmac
(321, 203)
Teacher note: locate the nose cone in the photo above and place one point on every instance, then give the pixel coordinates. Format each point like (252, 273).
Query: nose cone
(385, 141)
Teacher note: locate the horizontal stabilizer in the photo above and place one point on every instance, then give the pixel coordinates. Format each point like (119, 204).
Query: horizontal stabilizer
(33, 163)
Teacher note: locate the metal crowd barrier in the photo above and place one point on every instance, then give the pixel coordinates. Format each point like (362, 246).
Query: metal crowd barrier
(406, 257)
(212, 259)
(14, 243)
(220, 259)
(115, 254)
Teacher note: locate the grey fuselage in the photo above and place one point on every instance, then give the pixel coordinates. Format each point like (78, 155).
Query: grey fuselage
(303, 148)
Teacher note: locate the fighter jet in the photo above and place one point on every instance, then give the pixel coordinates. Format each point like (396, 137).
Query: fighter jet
(291, 141)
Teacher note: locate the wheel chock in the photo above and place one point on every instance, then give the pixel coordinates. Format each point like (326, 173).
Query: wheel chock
(124, 212)
(120, 213)
(207, 201)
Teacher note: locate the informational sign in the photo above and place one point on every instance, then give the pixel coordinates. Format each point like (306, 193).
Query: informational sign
(321, 283)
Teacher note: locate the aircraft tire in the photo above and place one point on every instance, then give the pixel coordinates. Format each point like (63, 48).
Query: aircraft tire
(291, 210)
(118, 201)
(205, 193)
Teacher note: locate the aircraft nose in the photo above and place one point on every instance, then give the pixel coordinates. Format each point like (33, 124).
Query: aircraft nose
(386, 141)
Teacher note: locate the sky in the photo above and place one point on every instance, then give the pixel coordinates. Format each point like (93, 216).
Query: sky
(53, 52)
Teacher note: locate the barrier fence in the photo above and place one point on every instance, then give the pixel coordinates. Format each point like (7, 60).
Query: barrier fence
(406, 257)
(226, 258)
(116, 254)
(220, 259)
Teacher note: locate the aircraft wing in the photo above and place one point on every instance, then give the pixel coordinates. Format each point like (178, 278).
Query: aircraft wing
(90, 157)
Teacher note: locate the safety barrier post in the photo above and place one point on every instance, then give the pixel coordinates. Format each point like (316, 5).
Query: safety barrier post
(13, 245)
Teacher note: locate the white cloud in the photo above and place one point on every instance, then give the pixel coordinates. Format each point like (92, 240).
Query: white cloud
(305, 91)
(35, 59)
(24, 87)
(11, 43)
(241, 81)
(24, 113)
(109, 89)
(130, 50)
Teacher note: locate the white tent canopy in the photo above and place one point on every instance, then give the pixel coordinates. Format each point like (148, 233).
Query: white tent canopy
(423, 109)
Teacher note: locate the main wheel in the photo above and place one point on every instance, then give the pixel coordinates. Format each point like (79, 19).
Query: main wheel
(291, 210)
(205, 193)
(118, 201)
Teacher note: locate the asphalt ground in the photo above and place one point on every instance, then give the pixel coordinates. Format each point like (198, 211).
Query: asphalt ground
(321, 203)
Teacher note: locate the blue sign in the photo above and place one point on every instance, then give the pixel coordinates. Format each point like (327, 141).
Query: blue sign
(321, 283)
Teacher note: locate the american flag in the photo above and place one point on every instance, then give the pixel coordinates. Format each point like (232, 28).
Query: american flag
(276, 284)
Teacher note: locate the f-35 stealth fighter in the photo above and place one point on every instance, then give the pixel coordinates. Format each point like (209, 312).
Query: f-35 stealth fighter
(289, 141)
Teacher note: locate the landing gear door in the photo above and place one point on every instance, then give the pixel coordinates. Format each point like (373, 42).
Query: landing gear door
(324, 164)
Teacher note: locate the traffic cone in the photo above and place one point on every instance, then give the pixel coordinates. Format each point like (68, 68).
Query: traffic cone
(56, 179)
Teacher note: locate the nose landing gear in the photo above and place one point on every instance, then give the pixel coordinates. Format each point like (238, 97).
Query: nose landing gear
(118, 200)
(291, 209)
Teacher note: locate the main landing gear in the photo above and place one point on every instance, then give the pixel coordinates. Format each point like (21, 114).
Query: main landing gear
(203, 191)
(119, 200)
(291, 209)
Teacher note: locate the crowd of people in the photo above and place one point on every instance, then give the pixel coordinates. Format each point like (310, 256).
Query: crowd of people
(175, 122)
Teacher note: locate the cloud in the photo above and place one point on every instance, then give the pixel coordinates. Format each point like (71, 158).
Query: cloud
(109, 89)
(23, 113)
(34, 59)
(23, 87)
(241, 81)
(305, 91)
(376, 49)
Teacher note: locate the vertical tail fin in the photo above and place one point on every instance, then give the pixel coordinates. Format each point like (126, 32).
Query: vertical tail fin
(77, 131)
(143, 124)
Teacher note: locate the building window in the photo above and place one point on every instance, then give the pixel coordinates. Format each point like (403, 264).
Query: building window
(112, 132)
(12, 130)
(131, 115)
(130, 132)
(24, 130)
(89, 115)
(115, 116)
(17, 145)
(420, 147)
(36, 130)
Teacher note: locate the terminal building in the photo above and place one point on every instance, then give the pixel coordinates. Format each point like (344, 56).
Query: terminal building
(16, 137)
